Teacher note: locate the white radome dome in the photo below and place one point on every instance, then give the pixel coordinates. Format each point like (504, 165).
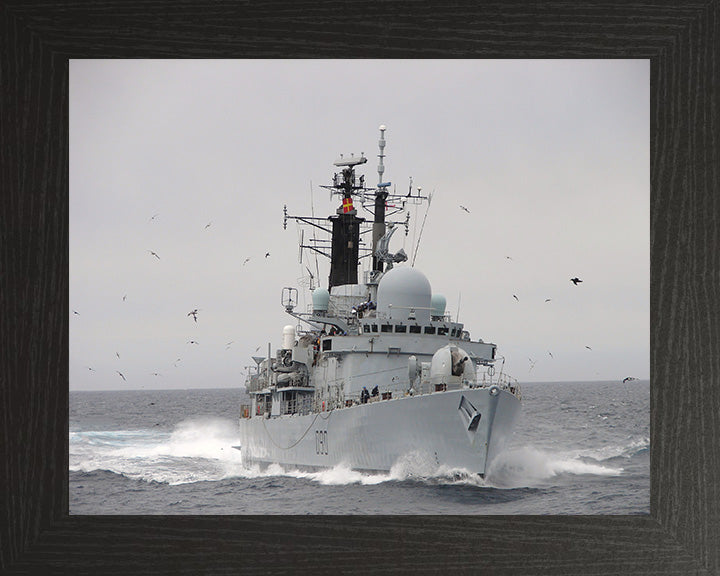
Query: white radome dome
(404, 292)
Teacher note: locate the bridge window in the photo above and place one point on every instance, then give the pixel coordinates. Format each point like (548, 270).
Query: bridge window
(386, 327)
(429, 329)
(442, 331)
(414, 329)
(400, 328)
(366, 328)
(327, 344)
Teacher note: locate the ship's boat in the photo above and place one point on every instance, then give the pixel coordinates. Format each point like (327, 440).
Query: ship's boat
(374, 370)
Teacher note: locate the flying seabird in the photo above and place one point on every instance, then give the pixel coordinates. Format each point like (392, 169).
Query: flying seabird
(93, 369)
(628, 379)
(516, 298)
(154, 216)
(208, 225)
(575, 280)
(532, 364)
(116, 354)
(463, 208)
(76, 312)
(548, 299)
(551, 356)
(124, 297)
(193, 313)
(508, 258)
(267, 254)
(246, 261)
(153, 253)
(121, 375)
(156, 374)
(588, 347)
(228, 344)
(193, 342)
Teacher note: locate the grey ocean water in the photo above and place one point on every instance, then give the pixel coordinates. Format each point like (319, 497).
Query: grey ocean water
(579, 448)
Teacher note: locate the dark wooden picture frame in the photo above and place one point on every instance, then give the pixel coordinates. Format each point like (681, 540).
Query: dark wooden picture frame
(681, 535)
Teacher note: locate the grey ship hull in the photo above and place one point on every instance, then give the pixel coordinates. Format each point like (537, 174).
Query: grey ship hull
(462, 428)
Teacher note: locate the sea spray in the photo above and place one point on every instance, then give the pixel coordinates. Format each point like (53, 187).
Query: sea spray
(530, 467)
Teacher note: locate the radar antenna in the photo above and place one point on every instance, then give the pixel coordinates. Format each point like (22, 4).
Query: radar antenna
(381, 166)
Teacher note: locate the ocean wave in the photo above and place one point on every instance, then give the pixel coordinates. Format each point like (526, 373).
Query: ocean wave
(200, 450)
(412, 467)
(197, 450)
(633, 447)
(529, 466)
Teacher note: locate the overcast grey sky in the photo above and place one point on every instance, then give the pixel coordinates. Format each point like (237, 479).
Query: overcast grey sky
(550, 157)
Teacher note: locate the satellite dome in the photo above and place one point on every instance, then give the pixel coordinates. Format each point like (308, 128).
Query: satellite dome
(321, 300)
(404, 294)
(438, 305)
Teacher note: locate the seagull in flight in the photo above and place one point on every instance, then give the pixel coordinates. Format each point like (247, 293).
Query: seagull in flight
(628, 379)
(551, 356)
(76, 312)
(208, 225)
(548, 299)
(463, 208)
(154, 254)
(93, 369)
(228, 344)
(246, 261)
(588, 347)
(267, 254)
(154, 216)
(121, 375)
(193, 313)
(124, 297)
(116, 354)
(516, 298)
(156, 374)
(193, 342)
(575, 280)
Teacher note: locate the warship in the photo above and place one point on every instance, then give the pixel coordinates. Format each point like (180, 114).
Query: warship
(375, 370)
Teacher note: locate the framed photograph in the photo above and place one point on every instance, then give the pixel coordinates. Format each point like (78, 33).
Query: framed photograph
(41, 44)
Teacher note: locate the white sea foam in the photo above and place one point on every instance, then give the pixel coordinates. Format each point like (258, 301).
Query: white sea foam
(341, 475)
(413, 466)
(197, 450)
(633, 446)
(529, 466)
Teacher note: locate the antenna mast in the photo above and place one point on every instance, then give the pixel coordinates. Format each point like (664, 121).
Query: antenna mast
(381, 144)
(381, 195)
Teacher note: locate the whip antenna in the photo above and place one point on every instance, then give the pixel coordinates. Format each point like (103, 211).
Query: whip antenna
(422, 227)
